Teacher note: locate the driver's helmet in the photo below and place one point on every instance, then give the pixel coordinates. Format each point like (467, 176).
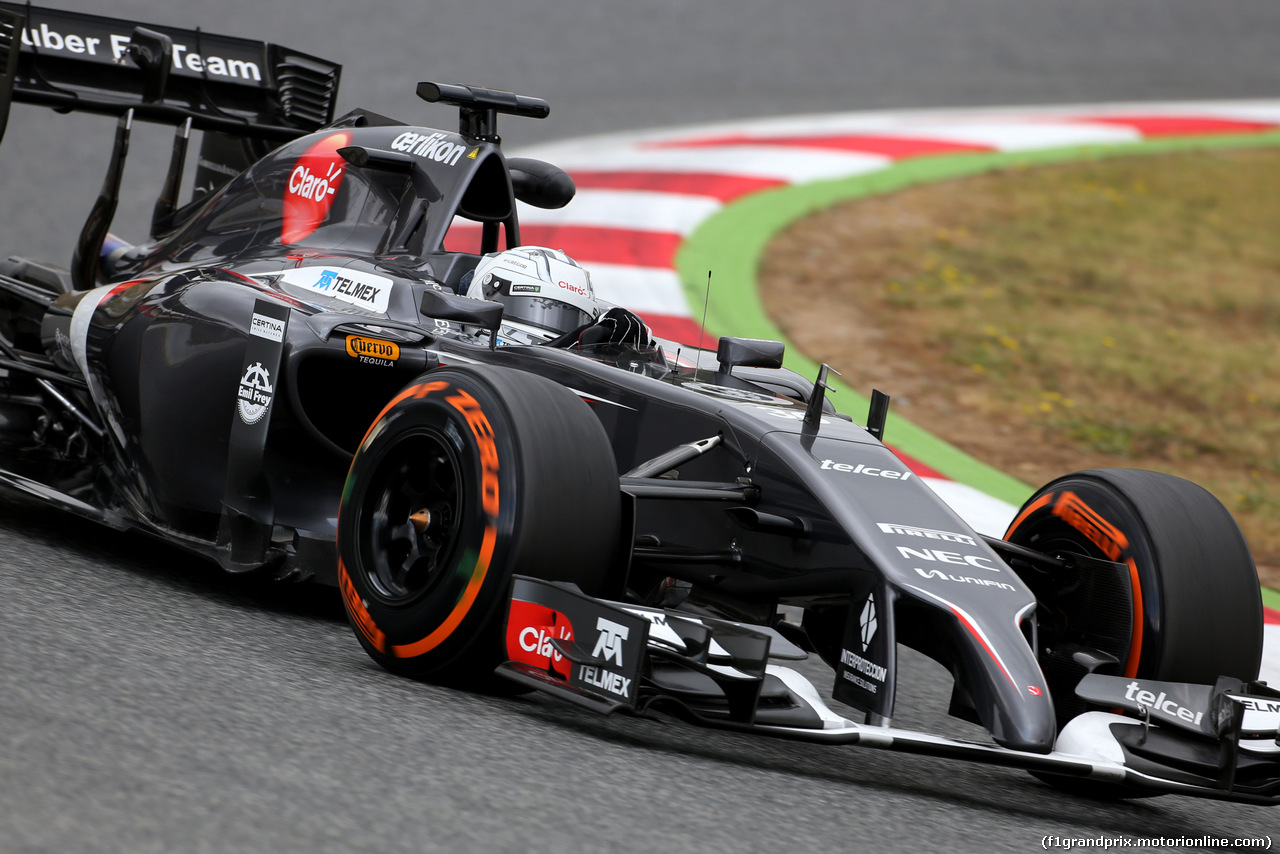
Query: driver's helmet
(541, 287)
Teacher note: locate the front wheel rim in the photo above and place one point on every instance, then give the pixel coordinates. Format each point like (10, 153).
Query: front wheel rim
(411, 517)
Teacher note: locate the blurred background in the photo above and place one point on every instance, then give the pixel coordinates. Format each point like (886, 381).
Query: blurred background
(608, 65)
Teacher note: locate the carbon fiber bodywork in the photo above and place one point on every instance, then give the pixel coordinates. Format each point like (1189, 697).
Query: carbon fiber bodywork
(211, 386)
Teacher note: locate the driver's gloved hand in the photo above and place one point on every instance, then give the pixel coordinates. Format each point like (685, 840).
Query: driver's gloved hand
(615, 326)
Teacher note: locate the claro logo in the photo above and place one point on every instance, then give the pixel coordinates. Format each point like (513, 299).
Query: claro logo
(569, 286)
(530, 630)
(313, 185)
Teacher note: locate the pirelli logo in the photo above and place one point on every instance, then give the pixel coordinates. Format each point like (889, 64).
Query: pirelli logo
(926, 533)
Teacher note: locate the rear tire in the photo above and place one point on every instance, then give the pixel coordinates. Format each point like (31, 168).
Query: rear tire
(469, 476)
(1196, 606)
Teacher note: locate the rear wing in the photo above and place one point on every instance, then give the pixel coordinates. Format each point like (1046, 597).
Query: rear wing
(87, 63)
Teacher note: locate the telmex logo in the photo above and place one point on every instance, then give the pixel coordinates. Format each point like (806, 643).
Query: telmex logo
(1259, 705)
(358, 346)
(609, 642)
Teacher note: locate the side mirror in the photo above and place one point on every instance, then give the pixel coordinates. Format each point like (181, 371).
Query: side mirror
(540, 184)
(749, 352)
(477, 312)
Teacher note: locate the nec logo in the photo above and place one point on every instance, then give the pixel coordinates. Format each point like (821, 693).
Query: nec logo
(954, 558)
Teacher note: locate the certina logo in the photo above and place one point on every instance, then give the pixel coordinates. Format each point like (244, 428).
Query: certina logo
(267, 327)
(431, 146)
(254, 395)
(927, 533)
(366, 290)
(609, 643)
(110, 47)
(963, 579)
(1134, 693)
(832, 465)
(526, 289)
(954, 558)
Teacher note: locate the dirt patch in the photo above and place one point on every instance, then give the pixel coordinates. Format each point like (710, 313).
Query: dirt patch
(1118, 313)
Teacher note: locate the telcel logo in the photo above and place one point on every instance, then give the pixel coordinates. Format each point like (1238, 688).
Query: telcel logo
(1134, 692)
(832, 465)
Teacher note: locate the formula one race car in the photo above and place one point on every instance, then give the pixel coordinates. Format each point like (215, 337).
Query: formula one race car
(294, 376)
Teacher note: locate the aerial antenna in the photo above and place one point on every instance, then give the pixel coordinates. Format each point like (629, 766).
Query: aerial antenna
(702, 327)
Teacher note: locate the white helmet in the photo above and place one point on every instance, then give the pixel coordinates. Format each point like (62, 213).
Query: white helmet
(542, 287)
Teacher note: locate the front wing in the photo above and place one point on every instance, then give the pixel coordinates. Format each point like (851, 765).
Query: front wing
(1220, 742)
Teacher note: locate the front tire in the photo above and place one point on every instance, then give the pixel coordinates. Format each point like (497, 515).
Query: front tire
(468, 476)
(1189, 608)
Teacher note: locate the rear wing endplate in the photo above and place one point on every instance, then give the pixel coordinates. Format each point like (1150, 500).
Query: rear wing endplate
(85, 63)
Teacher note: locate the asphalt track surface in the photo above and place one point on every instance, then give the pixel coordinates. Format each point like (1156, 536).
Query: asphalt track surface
(149, 703)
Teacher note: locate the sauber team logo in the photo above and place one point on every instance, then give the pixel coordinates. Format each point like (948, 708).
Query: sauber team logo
(254, 395)
(313, 185)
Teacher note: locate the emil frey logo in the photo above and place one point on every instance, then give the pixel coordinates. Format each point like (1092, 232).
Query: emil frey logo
(254, 395)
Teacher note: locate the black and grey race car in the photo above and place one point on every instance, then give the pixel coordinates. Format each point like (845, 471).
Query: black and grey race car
(288, 378)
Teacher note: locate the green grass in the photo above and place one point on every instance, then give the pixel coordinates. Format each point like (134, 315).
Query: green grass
(1128, 308)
